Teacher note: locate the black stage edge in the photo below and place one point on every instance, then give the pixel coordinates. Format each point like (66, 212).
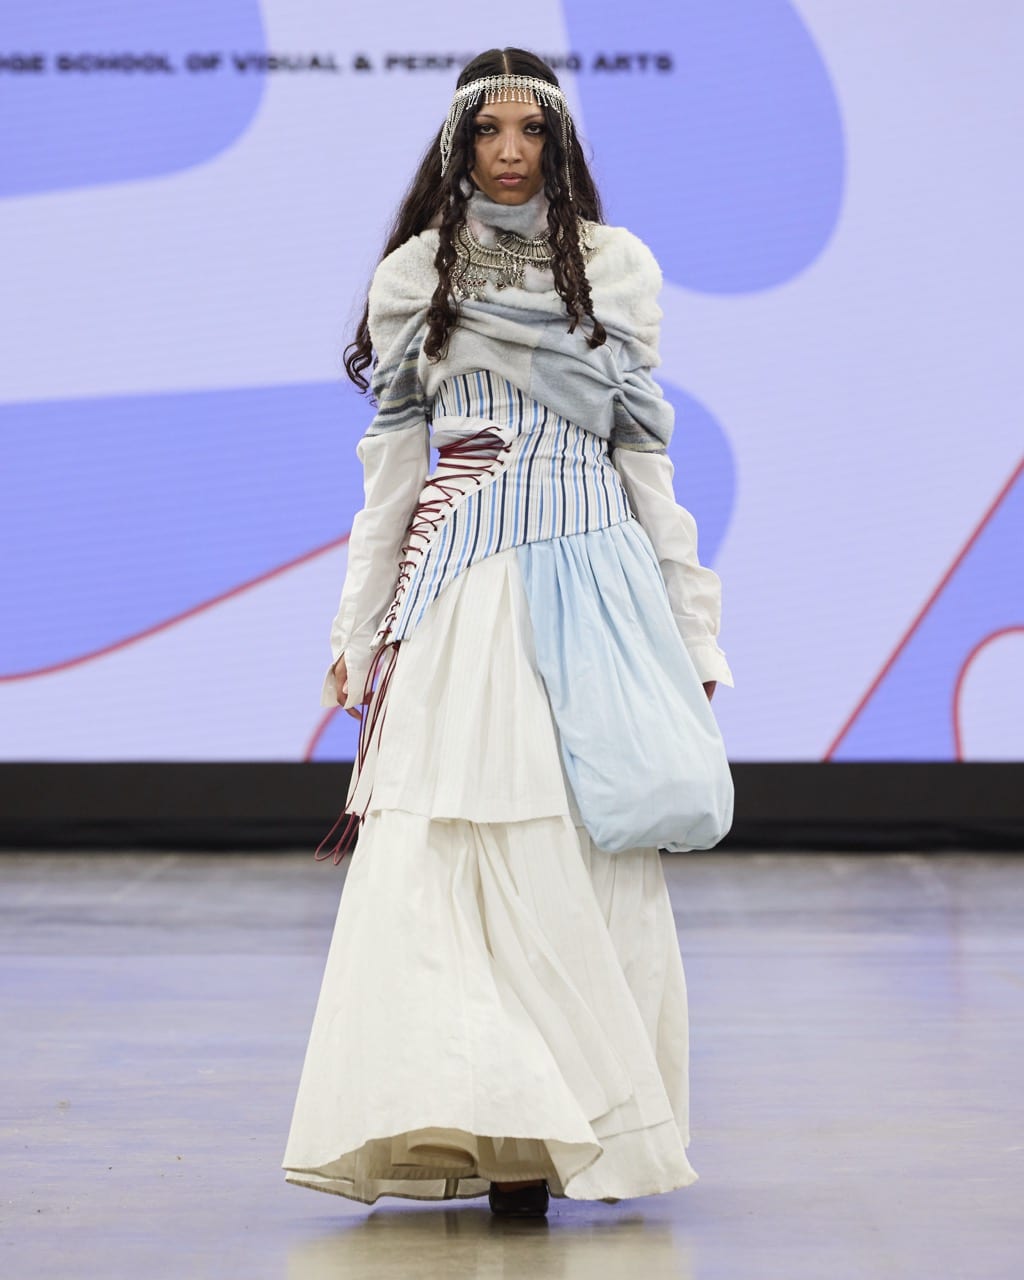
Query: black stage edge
(249, 807)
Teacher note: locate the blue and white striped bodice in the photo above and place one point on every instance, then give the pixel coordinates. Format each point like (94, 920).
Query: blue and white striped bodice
(510, 471)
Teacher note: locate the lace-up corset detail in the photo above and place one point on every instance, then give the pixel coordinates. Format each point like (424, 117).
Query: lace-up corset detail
(509, 471)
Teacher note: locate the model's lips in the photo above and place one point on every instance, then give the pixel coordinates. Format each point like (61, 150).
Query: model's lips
(510, 179)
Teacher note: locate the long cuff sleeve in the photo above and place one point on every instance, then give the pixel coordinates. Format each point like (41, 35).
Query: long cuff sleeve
(395, 466)
(694, 592)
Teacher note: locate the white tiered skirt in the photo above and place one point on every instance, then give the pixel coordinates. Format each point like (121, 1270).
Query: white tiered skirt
(502, 1000)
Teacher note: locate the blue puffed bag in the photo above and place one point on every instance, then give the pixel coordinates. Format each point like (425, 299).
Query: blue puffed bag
(641, 746)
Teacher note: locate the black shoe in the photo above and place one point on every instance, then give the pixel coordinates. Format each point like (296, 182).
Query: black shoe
(523, 1202)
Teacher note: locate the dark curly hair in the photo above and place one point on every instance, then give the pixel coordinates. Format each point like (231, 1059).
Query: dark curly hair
(433, 193)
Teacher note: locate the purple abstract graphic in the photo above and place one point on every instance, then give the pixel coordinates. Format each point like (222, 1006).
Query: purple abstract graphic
(730, 165)
(77, 127)
(129, 510)
(337, 741)
(909, 713)
(705, 472)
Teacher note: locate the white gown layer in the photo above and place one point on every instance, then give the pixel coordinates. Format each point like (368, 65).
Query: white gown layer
(502, 1000)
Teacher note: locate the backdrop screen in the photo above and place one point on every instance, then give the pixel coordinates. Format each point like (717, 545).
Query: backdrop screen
(193, 198)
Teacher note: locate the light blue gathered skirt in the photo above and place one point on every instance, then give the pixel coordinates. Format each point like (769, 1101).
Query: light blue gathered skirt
(640, 745)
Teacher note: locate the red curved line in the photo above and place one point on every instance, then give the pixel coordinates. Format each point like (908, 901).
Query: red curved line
(924, 609)
(958, 750)
(178, 617)
(318, 733)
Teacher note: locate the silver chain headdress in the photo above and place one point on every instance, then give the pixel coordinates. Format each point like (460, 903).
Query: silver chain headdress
(508, 88)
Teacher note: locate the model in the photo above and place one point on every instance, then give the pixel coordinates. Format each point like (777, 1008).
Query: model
(531, 643)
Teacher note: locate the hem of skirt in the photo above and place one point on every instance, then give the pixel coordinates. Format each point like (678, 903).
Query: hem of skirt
(503, 819)
(335, 1187)
(659, 1187)
(588, 1153)
(478, 817)
(617, 1187)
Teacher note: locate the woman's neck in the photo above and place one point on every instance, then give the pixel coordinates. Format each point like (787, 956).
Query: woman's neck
(488, 218)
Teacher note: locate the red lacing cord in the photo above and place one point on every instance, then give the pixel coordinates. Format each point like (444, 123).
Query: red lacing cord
(370, 724)
(465, 459)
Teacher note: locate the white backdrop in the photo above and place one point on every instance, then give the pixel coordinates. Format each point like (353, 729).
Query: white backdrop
(834, 192)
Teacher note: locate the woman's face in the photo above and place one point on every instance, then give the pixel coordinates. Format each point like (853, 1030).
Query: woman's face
(509, 139)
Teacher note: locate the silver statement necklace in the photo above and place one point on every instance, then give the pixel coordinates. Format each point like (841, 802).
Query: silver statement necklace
(503, 263)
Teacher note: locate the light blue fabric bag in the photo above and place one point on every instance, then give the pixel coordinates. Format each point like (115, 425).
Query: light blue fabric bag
(642, 749)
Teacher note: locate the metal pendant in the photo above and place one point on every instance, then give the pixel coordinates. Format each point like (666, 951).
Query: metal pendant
(502, 264)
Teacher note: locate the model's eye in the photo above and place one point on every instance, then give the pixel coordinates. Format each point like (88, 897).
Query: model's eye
(483, 128)
(536, 129)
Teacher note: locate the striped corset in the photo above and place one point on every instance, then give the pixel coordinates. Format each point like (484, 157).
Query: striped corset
(509, 471)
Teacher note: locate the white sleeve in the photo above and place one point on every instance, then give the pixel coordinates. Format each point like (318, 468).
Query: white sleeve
(694, 592)
(395, 466)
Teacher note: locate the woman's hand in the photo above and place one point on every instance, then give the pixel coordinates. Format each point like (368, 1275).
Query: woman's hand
(709, 688)
(341, 683)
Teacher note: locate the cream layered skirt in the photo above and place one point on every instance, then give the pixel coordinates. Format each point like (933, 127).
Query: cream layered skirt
(502, 1000)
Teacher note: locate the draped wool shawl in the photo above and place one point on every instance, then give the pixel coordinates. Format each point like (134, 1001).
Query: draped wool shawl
(523, 335)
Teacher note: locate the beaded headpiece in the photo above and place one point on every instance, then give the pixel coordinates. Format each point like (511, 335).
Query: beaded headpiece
(507, 88)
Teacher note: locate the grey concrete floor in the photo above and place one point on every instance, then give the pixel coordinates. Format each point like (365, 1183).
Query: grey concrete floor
(858, 1111)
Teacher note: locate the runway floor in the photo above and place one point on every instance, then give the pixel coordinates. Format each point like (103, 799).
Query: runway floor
(857, 1077)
